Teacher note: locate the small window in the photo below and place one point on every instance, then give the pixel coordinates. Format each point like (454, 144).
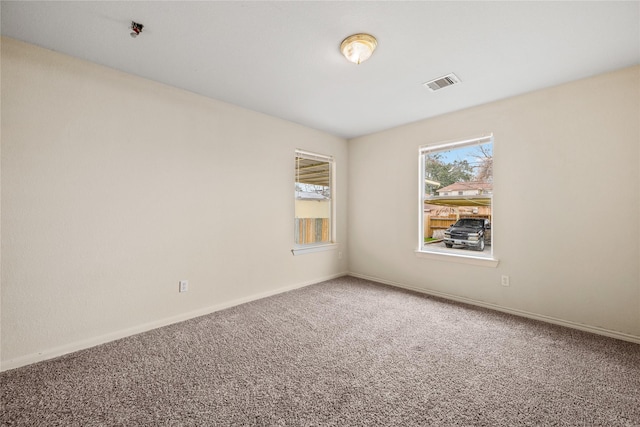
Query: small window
(456, 198)
(314, 195)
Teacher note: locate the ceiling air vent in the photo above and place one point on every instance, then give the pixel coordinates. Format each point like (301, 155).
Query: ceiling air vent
(441, 82)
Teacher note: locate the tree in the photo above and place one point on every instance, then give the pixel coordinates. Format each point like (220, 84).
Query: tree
(484, 168)
(446, 173)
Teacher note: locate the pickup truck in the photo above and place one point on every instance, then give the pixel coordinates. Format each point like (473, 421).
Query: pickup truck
(468, 232)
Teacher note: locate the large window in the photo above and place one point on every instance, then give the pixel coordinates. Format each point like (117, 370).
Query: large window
(314, 195)
(456, 198)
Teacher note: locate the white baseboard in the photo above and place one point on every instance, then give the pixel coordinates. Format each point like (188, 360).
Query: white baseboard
(102, 339)
(522, 313)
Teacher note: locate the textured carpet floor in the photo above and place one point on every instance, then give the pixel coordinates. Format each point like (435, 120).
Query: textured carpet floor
(345, 352)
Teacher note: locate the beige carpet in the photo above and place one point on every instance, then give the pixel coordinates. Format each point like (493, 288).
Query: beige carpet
(346, 352)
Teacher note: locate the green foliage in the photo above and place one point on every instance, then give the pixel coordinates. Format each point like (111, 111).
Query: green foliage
(446, 173)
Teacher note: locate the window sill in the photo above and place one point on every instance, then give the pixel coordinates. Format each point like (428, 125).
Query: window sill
(315, 248)
(461, 259)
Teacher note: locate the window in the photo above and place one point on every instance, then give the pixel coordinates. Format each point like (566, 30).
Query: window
(456, 198)
(314, 227)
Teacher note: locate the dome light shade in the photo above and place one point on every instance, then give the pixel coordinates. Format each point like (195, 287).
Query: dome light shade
(358, 47)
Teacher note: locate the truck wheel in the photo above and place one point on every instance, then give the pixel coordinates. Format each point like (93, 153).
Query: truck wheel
(480, 247)
(449, 245)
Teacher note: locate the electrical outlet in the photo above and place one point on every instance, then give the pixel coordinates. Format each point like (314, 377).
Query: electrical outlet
(505, 281)
(183, 286)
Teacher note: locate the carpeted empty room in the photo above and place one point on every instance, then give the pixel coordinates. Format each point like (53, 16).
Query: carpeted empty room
(319, 213)
(346, 352)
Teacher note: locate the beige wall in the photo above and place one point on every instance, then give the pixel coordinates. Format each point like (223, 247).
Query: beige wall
(566, 162)
(313, 209)
(114, 188)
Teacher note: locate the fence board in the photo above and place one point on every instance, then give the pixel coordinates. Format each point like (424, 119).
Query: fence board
(432, 223)
(312, 230)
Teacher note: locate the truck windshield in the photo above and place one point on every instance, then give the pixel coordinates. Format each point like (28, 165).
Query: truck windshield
(469, 223)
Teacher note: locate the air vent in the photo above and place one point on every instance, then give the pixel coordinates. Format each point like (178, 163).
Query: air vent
(441, 82)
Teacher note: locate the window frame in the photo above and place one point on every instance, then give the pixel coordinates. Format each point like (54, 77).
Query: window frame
(300, 249)
(421, 251)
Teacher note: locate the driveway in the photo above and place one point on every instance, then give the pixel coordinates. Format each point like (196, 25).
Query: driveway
(457, 250)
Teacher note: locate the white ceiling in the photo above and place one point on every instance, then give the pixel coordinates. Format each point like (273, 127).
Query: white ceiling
(281, 58)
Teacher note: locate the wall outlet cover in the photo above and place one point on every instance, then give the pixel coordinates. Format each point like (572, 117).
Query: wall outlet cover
(183, 286)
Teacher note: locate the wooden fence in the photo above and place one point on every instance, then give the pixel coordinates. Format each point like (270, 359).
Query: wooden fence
(434, 223)
(312, 230)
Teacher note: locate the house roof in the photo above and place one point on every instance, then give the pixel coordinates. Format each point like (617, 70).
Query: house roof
(307, 195)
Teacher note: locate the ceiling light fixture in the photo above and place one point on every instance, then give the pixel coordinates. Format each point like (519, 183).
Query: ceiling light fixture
(358, 47)
(135, 29)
